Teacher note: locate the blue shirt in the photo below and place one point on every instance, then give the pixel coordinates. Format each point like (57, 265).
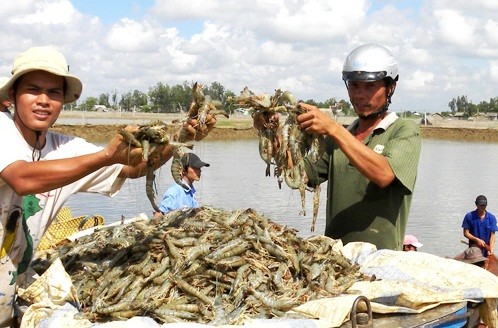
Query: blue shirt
(480, 229)
(177, 198)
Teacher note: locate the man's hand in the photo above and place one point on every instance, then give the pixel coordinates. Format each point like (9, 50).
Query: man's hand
(197, 131)
(314, 120)
(119, 150)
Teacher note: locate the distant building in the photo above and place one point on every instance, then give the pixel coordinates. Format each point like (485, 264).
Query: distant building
(459, 116)
(432, 119)
(100, 108)
(492, 116)
(479, 117)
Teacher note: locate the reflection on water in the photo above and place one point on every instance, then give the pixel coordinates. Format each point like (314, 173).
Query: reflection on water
(451, 175)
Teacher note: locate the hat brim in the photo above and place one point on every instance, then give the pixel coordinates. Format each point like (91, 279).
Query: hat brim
(417, 244)
(74, 86)
(476, 260)
(199, 165)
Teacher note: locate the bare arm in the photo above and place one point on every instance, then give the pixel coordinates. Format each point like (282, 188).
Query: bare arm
(492, 240)
(471, 237)
(34, 177)
(373, 166)
(27, 178)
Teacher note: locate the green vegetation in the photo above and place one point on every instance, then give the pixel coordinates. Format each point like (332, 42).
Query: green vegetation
(163, 98)
(463, 105)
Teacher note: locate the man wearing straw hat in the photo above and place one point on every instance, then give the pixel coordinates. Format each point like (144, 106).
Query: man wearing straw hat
(39, 169)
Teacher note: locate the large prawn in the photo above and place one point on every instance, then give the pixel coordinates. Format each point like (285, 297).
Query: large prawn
(294, 144)
(148, 137)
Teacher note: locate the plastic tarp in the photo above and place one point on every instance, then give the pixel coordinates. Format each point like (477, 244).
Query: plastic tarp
(406, 282)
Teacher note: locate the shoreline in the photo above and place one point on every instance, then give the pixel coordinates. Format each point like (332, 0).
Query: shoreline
(102, 133)
(101, 127)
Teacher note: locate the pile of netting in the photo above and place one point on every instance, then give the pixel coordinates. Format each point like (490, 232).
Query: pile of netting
(202, 265)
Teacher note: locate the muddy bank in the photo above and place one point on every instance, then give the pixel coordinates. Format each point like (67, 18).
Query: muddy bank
(103, 133)
(460, 134)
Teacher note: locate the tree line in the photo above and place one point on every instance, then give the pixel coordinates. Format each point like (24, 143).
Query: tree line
(163, 98)
(462, 104)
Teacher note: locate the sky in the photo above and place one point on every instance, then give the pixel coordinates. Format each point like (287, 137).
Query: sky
(444, 48)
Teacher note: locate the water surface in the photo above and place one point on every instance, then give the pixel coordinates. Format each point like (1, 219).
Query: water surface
(451, 175)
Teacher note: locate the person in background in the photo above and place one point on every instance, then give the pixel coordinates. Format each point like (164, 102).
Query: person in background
(479, 227)
(177, 196)
(40, 170)
(411, 243)
(371, 166)
(4, 100)
(473, 255)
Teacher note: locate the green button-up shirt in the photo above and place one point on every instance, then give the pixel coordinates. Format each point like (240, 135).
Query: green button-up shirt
(358, 209)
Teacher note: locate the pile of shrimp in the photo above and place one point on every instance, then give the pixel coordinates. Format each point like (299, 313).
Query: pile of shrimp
(294, 144)
(203, 265)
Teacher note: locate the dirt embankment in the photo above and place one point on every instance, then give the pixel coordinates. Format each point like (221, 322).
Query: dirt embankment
(460, 134)
(103, 133)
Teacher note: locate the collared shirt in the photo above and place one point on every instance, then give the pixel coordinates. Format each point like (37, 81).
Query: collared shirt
(177, 198)
(481, 229)
(358, 209)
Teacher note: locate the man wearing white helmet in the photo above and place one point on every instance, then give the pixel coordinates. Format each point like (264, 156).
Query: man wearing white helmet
(40, 170)
(371, 165)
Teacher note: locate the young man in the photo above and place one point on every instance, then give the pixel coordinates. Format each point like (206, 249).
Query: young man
(479, 227)
(177, 196)
(371, 166)
(39, 169)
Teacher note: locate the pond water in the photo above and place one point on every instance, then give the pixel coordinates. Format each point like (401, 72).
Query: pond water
(451, 175)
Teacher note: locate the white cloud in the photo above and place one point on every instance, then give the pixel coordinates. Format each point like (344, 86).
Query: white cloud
(130, 36)
(493, 72)
(418, 80)
(455, 28)
(445, 48)
(54, 12)
(491, 29)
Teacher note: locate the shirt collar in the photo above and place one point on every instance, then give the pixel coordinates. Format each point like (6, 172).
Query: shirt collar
(189, 187)
(389, 119)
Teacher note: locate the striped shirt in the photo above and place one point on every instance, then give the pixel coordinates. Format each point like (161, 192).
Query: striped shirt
(358, 209)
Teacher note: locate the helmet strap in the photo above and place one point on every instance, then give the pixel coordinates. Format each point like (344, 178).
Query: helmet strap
(372, 116)
(390, 87)
(36, 154)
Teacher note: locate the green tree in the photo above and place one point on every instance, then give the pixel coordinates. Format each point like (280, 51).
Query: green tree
(104, 100)
(138, 99)
(159, 96)
(452, 105)
(88, 104)
(125, 102)
(216, 91)
(181, 96)
(114, 97)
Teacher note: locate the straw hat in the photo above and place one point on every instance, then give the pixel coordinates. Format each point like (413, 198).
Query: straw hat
(46, 59)
(472, 255)
(3, 81)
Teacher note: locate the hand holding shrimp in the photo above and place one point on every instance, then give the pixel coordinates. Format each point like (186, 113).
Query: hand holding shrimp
(314, 120)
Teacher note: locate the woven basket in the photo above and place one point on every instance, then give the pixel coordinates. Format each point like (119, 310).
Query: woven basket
(65, 225)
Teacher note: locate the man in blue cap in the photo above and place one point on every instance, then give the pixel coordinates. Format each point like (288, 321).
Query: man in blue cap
(479, 227)
(177, 196)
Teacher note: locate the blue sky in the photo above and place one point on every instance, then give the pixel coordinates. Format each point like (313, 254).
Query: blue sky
(110, 11)
(444, 48)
